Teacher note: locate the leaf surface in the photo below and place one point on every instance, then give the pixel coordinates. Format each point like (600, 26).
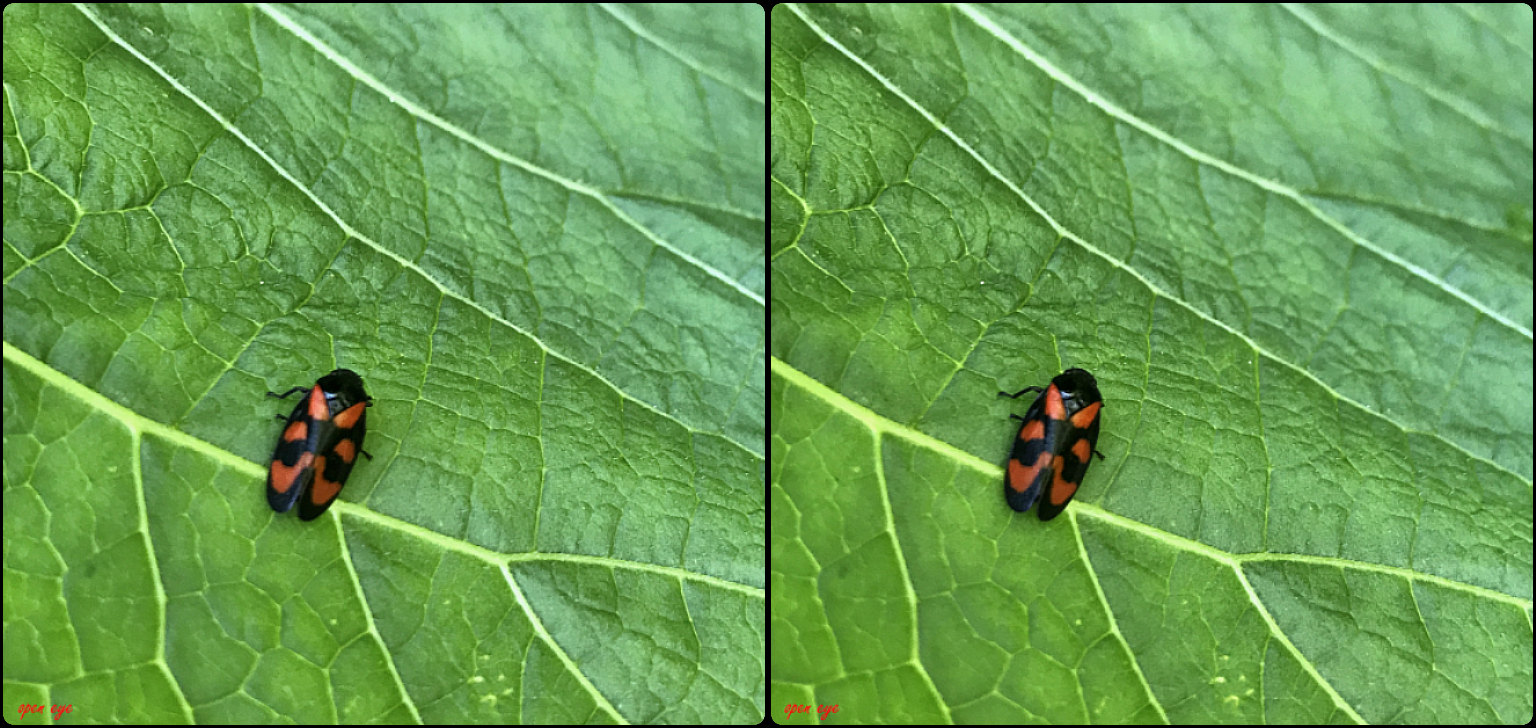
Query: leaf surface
(536, 233)
(1294, 246)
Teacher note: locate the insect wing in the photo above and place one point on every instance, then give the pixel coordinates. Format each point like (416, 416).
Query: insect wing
(341, 442)
(292, 466)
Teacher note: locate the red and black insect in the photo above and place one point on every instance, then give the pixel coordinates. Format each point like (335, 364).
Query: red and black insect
(1058, 434)
(319, 445)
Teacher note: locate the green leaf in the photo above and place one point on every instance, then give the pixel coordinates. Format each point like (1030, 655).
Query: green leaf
(534, 230)
(1293, 244)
